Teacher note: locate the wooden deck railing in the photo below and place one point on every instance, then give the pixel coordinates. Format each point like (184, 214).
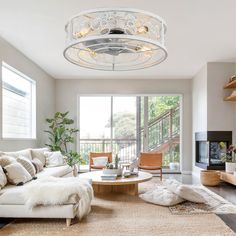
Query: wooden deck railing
(160, 130)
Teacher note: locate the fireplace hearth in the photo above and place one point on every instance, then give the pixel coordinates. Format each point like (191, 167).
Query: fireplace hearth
(211, 146)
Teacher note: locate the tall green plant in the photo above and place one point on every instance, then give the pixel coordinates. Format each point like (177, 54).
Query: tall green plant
(61, 134)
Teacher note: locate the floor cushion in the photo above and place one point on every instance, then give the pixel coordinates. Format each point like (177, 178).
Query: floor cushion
(161, 196)
(188, 192)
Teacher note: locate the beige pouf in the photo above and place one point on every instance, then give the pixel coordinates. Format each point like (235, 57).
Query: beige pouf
(210, 177)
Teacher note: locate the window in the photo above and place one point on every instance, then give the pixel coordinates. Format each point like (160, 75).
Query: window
(18, 104)
(128, 125)
(108, 124)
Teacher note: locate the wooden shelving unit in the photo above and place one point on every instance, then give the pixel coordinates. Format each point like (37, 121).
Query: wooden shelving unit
(230, 85)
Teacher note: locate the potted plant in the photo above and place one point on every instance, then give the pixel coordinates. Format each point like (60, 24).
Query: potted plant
(61, 136)
(229, 159)
(113, 168)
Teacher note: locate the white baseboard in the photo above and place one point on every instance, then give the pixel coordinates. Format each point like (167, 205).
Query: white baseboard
(186, 172)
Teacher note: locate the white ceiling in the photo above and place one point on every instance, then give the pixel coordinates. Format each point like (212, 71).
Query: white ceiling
(198, 31)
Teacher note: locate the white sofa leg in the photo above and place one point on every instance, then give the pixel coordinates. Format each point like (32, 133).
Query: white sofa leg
(68, 222)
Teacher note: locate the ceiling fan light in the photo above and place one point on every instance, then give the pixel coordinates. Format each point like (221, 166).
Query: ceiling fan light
(115, 39)
(82, 32)
(142, 29)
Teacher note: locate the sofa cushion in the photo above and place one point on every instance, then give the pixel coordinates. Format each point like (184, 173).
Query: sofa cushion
(3, 178)
(39, 154)
(58, 171)
(26, 153)
(17, 174)
(12, 195)
(26, 163)
(6, 160)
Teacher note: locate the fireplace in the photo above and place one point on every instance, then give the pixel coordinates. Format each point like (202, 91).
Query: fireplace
(211, 146)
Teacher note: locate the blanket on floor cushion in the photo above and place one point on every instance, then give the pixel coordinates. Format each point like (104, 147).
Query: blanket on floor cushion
(188, 192)
(161, 196)
(58, 191)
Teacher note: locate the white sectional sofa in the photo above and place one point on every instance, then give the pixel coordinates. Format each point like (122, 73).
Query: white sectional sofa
(12, 203)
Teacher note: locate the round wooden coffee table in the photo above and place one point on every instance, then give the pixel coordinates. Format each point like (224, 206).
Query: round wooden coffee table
(121, 185)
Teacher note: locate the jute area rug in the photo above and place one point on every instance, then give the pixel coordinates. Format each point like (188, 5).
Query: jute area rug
(117, 215)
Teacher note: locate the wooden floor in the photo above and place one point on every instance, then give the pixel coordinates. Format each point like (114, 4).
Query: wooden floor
(225, 190)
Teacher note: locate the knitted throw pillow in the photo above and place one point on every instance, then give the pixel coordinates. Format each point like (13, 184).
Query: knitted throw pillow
(17, 174)
(6, 160)
(37, 165)
(26, 163)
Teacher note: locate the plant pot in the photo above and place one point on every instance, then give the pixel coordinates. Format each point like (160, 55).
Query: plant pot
(117, 172)
(75, 170)
(230, 167)
(210, 177)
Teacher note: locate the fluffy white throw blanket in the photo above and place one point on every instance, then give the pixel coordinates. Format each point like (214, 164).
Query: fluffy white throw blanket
(58, 191)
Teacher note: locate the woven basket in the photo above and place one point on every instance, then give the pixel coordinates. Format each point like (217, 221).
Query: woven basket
(210, 177)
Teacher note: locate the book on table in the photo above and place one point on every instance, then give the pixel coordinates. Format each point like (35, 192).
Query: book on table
(108, 176)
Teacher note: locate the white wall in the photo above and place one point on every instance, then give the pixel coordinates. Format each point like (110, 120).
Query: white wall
(199, 108)
(221, 114)
(45, 95)
(68, 90)
(210, 111)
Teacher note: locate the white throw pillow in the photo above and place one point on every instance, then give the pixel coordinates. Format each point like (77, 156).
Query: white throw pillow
(54, 159)
(161, 196)
(100, 161)
(17, 174)
(3, 178)
(188, 192)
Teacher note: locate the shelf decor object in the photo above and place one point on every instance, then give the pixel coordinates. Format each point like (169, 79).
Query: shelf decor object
(115, 39)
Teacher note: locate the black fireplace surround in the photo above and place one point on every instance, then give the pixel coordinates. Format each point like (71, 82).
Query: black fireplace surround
(211, 146)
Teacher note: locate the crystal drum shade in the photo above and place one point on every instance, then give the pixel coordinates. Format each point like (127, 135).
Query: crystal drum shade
(115, 39)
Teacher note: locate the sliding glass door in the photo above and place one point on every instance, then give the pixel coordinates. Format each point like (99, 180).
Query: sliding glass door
(126, 125)
(160, 127)
(108, 124)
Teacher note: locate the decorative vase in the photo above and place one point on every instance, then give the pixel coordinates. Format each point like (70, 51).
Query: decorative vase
(75, 170)
(230, 167)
